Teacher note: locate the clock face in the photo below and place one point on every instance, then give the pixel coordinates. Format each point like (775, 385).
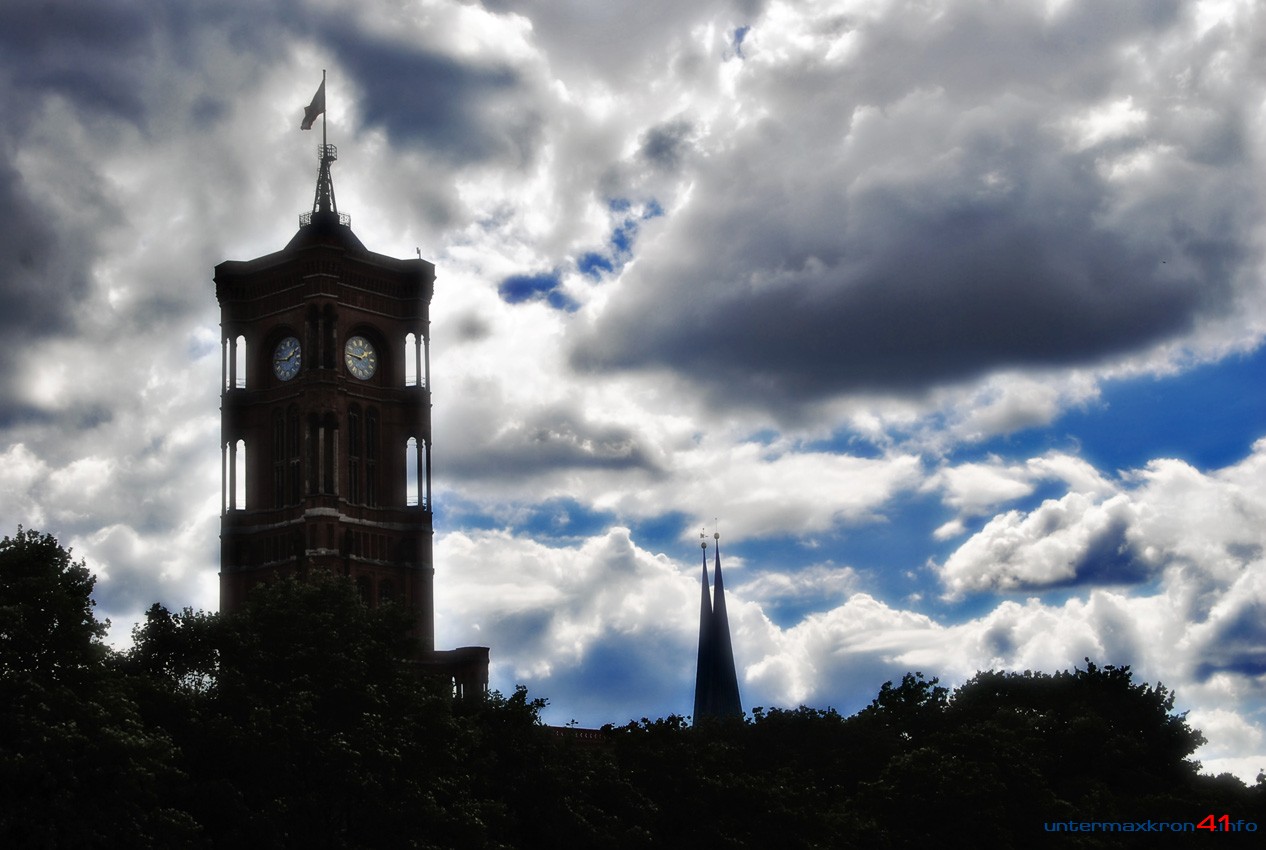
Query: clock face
(360, 357)
(287, 358)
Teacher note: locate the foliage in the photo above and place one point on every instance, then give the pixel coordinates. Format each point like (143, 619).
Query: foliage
(47, 628)
(299, 721)
(78, 767)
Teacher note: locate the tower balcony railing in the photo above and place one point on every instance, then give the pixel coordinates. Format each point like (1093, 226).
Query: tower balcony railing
(306, 218)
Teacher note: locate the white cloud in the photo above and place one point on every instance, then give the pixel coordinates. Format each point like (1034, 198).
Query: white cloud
(818, 583)
(547, 611)
(925, 230)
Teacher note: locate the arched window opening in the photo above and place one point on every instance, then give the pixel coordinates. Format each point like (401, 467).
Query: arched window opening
(239, 475)
(411, 472)
(365, 589)
(386, 592)
(225, 476)
(410, 360)
(424, 476)
(239, 362)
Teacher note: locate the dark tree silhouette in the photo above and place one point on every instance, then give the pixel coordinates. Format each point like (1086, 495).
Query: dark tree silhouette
(299, 721)
(78, 767)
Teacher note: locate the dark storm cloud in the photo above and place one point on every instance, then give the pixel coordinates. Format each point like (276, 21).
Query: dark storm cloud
(70, 70)
(42, 275)
(913, 290)
(463, 111)
(980, 219)
(80, 76)
(36, 272)
(119, 60)
(86, 52)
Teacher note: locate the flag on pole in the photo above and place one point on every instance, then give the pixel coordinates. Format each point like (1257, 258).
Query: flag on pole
(313, 109)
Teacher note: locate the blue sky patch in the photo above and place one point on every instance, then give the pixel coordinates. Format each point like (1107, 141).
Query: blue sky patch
(519, 288)
(619, 250)
(1202, 416)
(592, 265)
(562, 520)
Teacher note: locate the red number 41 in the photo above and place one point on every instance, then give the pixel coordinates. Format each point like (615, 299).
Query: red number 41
(1211, 823)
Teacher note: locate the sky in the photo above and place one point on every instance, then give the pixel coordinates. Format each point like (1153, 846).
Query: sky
(948, 316)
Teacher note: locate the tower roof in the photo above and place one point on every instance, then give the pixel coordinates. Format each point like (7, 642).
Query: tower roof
(326, 228)
(325, 225)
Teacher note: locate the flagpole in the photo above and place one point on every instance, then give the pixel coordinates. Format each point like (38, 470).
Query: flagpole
(324, 112)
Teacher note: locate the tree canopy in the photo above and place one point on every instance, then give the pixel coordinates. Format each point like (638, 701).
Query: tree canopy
(299, 721)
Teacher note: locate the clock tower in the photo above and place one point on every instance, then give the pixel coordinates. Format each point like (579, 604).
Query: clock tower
(326, 420)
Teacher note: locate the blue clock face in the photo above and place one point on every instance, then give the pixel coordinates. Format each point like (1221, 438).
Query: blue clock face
(287, 358)
(360, 357)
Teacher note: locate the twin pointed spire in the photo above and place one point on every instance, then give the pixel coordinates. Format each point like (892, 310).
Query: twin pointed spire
(716, 682)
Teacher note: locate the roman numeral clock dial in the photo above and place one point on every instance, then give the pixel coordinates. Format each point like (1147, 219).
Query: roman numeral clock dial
(360, 357)
(287, 358)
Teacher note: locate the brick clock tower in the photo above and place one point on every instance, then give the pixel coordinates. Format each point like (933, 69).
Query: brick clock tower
(326, 421)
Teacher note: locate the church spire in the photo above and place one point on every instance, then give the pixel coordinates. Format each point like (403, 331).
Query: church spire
(716, 680)
(703, 666)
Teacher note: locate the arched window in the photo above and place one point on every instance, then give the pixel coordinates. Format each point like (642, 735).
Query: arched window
(239, 362)
(410, 360)
(386, 591)
(411, 472)
(239, 475)
(227, 476)
(365, 589)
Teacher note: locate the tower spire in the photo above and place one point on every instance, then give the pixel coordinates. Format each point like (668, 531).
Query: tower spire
(703, 665)
(324, 201)
(716, 680)
(324, 205)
